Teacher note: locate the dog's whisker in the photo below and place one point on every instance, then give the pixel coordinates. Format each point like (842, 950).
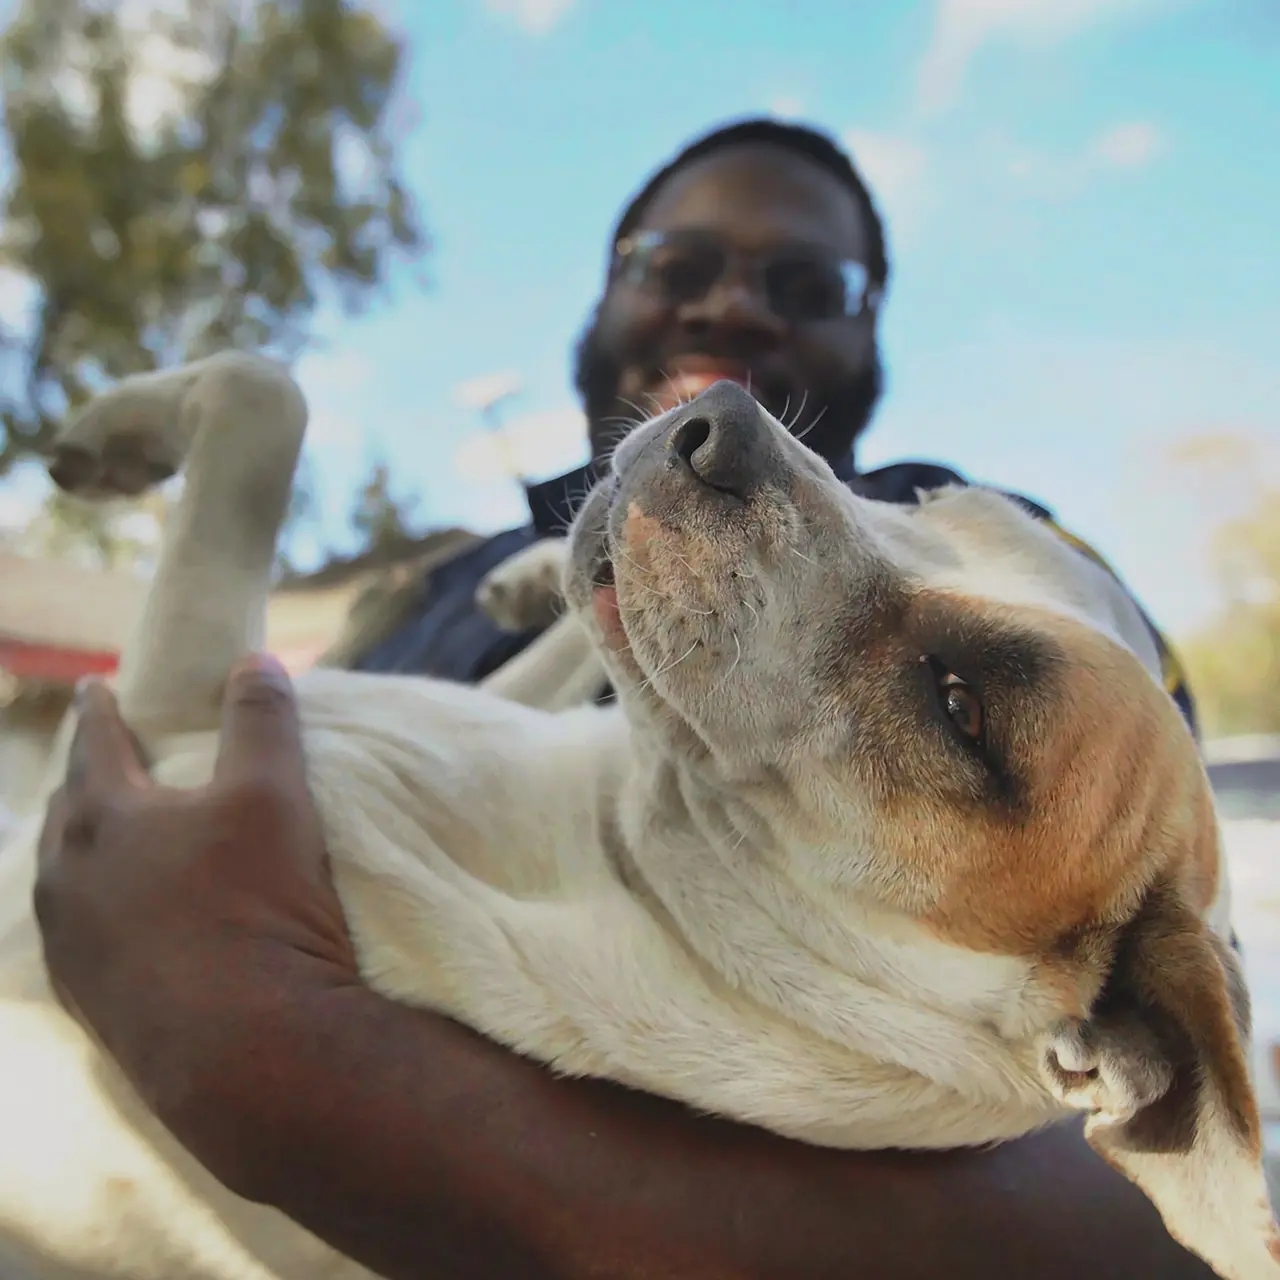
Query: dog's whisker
(624, 420)
(817, 418)
(804, 400)
(737, 658)
(621, 553)
(667, 602)
(642, 415)
(670, 666)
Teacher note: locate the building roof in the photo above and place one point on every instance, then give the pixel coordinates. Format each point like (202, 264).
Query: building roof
(60, 621)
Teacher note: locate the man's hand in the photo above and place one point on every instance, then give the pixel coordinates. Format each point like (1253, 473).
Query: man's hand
(175, 922)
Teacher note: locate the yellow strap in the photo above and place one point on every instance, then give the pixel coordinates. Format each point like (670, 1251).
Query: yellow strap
(1174, 676)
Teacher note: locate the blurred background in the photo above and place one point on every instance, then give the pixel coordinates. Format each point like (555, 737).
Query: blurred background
(411, 201)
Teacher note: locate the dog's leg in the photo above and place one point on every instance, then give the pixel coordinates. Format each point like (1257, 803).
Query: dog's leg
(560, 669)
(524, 592)
(237, 421)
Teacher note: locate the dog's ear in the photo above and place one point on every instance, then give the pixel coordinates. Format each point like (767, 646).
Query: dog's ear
(1160, 1066)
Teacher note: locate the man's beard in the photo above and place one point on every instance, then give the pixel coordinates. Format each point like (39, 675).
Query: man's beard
(829, 422)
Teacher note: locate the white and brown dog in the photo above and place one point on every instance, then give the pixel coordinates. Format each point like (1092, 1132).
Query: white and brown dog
(893, 838)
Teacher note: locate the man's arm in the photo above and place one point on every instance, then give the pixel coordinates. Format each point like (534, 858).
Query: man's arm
(198, 935)
(423, 1150)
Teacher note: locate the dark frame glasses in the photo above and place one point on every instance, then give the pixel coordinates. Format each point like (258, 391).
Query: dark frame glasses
(800, 283)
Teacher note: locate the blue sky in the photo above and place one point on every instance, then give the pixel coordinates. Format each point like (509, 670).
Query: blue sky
(1081, 198)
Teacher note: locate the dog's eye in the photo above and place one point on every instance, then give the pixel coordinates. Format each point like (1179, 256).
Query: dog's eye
(962, 705)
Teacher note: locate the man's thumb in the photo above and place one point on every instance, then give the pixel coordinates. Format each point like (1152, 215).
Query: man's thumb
(260, 729)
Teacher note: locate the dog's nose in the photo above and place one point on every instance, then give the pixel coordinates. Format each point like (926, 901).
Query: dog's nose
(721, 437)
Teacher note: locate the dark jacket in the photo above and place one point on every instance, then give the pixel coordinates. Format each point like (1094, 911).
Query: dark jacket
(442, 632)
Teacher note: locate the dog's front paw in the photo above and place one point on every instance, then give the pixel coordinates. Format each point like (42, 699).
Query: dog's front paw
(524, 592)
(124, 441)
(1109, 1070)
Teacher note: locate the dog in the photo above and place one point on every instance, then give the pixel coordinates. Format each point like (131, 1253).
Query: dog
(891, 839)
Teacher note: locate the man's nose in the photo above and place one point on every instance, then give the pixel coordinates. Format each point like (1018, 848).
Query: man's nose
(722, 440)
(734, 303)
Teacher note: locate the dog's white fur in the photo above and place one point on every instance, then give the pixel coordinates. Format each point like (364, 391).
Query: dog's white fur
(625, 892)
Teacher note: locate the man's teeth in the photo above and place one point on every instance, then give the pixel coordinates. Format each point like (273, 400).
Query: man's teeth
(687, 385)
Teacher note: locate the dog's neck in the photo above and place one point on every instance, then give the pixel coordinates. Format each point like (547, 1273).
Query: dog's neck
(854, 970)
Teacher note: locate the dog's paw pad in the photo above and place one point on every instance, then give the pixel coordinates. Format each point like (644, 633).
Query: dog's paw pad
(509, 603)
(523, 593)
(126, 465)
(1104, 1069)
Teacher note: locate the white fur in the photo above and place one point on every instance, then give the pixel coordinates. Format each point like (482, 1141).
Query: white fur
(527, 870)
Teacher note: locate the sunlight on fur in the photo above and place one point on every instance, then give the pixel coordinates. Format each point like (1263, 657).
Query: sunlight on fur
(891, 838)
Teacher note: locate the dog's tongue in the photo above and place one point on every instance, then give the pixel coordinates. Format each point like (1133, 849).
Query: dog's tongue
(604, 601)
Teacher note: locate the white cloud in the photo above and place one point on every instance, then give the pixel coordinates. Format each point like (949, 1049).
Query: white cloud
(536, 17)
(1129, 145)
(487, 390)
(488, 465)
(785, 107)
(1060, 175)
(893, 164)
(962, 27)
(543, 443)
(896, 169)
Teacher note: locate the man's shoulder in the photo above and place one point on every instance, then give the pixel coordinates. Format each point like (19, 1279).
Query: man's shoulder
(432, 625)
(486, 552)
(902, 481)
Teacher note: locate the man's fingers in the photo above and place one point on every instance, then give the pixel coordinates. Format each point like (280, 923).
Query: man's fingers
(261, 736)
(104, 759)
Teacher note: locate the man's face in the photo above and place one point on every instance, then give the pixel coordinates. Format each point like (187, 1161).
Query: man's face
(739, 257)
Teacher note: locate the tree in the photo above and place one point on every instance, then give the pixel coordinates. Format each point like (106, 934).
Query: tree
(378, 516)
(1233, 663)
(186, 175)
(67, 529)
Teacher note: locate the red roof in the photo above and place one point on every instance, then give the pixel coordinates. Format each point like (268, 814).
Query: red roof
(60, 622)
(51, 664)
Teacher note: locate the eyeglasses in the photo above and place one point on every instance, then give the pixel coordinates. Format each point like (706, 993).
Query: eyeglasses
(800, 283)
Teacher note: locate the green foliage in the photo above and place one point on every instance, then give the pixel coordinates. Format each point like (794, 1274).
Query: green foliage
(1234, 663)
(186, 176)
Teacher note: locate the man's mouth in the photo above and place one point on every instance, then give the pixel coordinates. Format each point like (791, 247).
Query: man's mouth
(685, 380)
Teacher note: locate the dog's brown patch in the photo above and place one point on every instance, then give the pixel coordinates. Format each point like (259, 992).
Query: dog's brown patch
(1085, 788)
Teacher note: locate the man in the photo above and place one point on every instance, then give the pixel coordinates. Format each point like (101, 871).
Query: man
(756, 254)
(198, 936)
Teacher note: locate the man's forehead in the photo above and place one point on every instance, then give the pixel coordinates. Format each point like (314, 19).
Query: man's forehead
(757, 194)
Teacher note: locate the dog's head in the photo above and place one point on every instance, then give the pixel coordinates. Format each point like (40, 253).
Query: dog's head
(949, 710)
